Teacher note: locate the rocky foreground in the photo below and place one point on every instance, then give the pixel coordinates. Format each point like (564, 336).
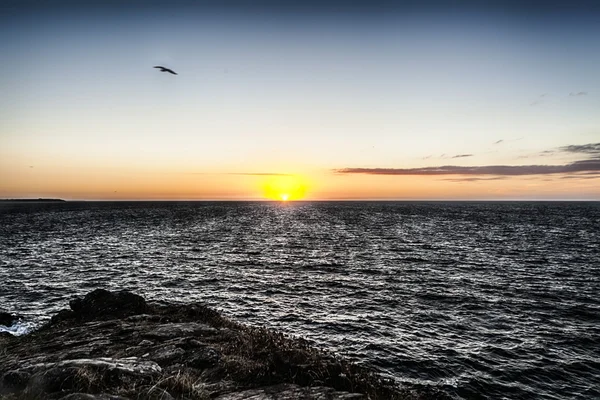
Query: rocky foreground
(115, 345)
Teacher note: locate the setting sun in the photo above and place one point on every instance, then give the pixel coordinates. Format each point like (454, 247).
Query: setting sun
(284, 187)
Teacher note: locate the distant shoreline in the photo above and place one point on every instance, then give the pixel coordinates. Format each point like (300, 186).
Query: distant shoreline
(34, 200)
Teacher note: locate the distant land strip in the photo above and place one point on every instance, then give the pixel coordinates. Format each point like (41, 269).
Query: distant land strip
(35, 200)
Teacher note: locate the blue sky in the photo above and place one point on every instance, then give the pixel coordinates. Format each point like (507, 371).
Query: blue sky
(308, 88)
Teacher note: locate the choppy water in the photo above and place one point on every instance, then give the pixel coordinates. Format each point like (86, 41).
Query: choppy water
(496, 300)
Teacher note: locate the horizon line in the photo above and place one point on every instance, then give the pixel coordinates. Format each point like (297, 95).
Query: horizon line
(61, 200)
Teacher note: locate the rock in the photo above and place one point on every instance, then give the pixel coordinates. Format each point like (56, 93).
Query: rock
(143, 317)
(8, 319)
(222, 386)
(204, 358)
(131, 365)
(14, 380)
(83, 374)
(62, 315)
(51, 380)
(102, 303)
(87, 396)
(172, 330)
(167, 355)
(290, 392)
(181, 351)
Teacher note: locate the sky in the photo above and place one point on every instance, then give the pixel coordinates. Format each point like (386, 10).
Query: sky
(308, 100)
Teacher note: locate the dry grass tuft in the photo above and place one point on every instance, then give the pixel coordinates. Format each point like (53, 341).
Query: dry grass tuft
(180, 385)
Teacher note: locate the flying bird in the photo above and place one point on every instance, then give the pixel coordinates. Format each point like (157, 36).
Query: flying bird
(163, 69)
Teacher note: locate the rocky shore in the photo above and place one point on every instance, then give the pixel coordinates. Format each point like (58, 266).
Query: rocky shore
(115, 345)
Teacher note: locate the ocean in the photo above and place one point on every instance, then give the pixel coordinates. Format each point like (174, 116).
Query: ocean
(481, 299)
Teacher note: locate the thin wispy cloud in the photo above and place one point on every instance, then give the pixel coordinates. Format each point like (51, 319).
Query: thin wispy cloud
(582, 176)
(256, 174)
(462, 155)
(508, 140)
(446, 156)
(243, 173)
(578, 94)
(470, 179)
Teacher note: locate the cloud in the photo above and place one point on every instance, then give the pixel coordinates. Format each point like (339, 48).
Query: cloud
(578, 94)
(256, 174)
(242, 173)
(590, 148)
(509, 140)
(463, 155)
(496, 178)
(588, 168)
(582, 176)
(498, 170)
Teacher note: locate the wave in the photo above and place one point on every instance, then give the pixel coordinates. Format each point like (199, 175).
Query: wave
(19, 328)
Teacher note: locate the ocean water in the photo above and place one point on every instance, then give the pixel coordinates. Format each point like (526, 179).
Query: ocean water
(496, 300)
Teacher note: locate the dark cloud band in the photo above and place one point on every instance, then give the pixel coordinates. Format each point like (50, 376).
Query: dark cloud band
(498, 170)
(590, 148)
(591, 165)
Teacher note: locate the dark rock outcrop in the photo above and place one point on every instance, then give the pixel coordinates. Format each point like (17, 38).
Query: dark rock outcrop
(102, 304)
(8, 319)
(115, 346)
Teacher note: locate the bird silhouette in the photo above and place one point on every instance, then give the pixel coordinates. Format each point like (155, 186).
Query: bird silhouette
(163, 69)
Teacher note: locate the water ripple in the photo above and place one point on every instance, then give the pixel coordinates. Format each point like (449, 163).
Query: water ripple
(483, 299)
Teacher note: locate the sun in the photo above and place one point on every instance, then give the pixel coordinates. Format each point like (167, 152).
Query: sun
(284, 187)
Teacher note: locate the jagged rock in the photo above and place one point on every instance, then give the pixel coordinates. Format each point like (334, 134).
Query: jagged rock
(69, 375)
(290, 392)
(62, 315)
(180, 351)
(102, 303)
(8, 319)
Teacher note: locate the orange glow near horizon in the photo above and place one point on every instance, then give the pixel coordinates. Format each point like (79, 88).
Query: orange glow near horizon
(120, 183)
